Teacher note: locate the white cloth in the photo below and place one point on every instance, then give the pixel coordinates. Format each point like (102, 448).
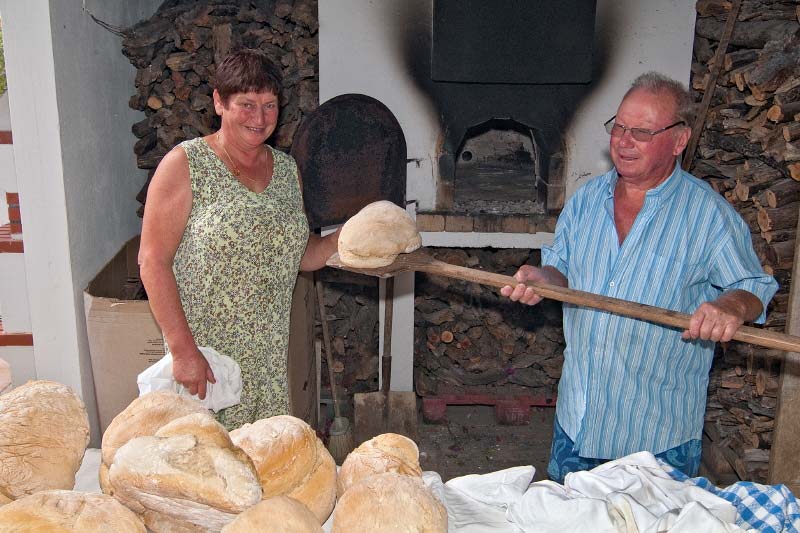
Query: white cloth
(477, 503)
(227, 391)
(630, 495)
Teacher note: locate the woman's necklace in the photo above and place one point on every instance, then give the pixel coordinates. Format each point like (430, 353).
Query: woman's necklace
(234, 169)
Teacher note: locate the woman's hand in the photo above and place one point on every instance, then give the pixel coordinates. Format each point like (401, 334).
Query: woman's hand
(192, 370)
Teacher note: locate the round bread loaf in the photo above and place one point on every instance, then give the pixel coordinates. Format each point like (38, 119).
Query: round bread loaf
(44, 431)
(142, 418)
(290, 460)
(187, 475)
(66, 511)
(279, 514)
(389, 502)
(388, 452)
(374, 236)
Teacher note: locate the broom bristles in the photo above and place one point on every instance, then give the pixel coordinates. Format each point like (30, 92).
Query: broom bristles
(340, 442)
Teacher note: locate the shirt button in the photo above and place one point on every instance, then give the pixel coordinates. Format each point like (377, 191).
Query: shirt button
(611, 283)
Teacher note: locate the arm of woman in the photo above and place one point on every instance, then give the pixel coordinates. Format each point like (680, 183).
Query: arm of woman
(318, 250)
(166, 213)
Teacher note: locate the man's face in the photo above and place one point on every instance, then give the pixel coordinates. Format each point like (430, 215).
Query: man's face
(647, 163)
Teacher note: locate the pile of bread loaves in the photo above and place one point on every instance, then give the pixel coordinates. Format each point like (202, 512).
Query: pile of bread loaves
(169, 466)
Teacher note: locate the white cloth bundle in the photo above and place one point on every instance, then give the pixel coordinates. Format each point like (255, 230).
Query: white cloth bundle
(227, 391)
(630, 495)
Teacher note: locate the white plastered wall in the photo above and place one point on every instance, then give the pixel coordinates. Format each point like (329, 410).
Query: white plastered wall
(359, 53)
(69, 86)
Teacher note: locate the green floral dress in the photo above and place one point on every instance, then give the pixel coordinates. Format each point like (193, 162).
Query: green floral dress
(236, 267)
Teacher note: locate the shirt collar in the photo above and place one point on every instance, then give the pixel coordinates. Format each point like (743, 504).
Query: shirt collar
(664, 190)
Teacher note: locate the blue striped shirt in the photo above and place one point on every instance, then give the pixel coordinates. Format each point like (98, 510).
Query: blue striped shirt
(628, 385)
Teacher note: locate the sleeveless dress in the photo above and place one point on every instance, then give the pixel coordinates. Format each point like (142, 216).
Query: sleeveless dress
(236, 267)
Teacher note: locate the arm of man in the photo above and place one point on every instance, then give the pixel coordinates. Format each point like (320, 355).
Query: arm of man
(524, 294)
(719, 320)
(169, 202)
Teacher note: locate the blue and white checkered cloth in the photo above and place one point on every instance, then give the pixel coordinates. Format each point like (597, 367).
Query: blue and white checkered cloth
(765, 508)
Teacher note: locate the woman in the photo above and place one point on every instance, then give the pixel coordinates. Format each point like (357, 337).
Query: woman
(223, 237)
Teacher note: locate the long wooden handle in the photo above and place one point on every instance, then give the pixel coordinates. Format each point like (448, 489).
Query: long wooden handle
(388, 315)
(326, 337)
(760, 337)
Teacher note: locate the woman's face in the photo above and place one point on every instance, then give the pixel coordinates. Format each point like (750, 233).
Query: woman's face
(249, 118)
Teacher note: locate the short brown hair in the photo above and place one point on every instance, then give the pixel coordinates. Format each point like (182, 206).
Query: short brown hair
(247, 70)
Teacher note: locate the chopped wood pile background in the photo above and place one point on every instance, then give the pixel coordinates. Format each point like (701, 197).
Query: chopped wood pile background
(176, 52)
(750, 152)
(469, 339)
(351, 308)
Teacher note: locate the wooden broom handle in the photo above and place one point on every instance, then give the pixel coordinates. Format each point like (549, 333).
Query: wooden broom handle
(751, 335)
(388, 314)
(326, 338)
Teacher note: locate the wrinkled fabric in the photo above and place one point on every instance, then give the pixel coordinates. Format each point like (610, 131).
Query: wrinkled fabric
(226, 392)
(631, 495)
(564, 459)
(766, 508)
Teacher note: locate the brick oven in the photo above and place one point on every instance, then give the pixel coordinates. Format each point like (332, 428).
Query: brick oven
(505, 80)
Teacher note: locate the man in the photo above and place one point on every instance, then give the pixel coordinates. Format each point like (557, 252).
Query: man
(648, 232)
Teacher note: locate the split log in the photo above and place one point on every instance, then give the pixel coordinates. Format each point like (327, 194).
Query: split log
(739, 58)
(749, 34)
(761, 425)
(776, 64)
(783, 112)
(712, 8)
(782, 192)
(759, 10)
(770, 219)
(788, 92)
(794, 171)
(753, 176)
(791, 131)
(780, 235)
(783, 254)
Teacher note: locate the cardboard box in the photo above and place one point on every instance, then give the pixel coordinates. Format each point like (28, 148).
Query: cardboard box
(124, 338)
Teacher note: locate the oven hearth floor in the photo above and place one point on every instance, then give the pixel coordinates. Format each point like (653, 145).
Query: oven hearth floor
(472, 442)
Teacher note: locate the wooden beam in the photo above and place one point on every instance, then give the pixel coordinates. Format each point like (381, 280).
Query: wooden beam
(711, 84)
(784, 463)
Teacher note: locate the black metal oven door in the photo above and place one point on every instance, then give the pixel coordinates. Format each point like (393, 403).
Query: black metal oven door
(350, 152)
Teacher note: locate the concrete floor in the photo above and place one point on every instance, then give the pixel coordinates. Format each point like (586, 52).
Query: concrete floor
(472, 442)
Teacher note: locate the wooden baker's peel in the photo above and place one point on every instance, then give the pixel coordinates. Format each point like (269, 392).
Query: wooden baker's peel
(421, 261)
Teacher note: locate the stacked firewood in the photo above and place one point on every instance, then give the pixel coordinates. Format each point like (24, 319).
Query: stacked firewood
(469, 339)
(750, 153)
(177, 50)
(351, 308)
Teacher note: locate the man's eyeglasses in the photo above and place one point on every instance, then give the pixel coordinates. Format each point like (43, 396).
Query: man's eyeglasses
(638, 134)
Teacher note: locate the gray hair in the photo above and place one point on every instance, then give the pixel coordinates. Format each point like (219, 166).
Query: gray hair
(657, 83)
